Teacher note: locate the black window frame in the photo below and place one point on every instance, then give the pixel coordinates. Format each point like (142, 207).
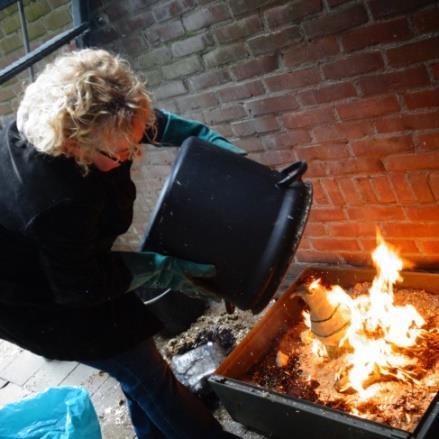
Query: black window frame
(81, 26)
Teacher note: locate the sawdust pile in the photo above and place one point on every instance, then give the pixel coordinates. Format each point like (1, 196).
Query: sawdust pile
(400, 405)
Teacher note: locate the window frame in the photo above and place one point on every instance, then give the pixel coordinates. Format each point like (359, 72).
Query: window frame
(79, 31)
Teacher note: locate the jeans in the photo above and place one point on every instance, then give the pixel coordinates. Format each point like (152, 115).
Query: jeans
(159, 406)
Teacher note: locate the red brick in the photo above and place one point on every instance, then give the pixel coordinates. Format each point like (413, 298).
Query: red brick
(353, 65)
(308, 118)
(427, 20)
(376, 33)
(265, 124)
(243, 128)
(403, 80)
(336, 22)
(335, 244)
(343, 131)
(410, 230)
(225, 114)
(225, 55)
(435, 70)
(418, 121)
(316, 168)
(311, 51)
(421, 188)
(316, 256)
(351, 230)
(402, 188)
(276, 158)
(305, 244)
(434, 185)
(354, 166)
(420, 99)
(255, 67)
(366, 108)
(224, 129)
(382, 147)
(245, 6)
(361, 259)
(364, 188)
(258, 125)
(335, 3)
(324, 214)
(427, 142)
(402, 246)
(209, 79)
(383, 189)
(431, 247)
(430, 213)
(297, 79)
(420, 160)
(289, 13)
(425, 262)
(315, 229)
(380, 8)
(319, 195)
(251, 145)
(286, 139)
(238, 29)
(326, 151)
(168, 31)
(329, 93)
(241, 91)
(331, 188)
(270, 42)
(415, 52)
(349, 191)
(375, 213)
(192, 102)
(170, 10)
(271, 105)
(203, 17)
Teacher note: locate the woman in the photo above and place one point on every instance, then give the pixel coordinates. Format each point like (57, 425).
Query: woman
(66, 194)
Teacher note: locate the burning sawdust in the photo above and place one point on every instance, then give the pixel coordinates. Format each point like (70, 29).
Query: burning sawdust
(398, 404)
(369, 351)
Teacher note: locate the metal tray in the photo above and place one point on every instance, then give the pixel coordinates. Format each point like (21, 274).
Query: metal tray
(281, 416)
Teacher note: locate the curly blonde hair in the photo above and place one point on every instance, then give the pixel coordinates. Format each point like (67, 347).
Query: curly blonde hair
(87, 96)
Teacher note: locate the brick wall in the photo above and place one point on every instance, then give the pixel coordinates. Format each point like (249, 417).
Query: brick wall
(350, 86)
(45, 19)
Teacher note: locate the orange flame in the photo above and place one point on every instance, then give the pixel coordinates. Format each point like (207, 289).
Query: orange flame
(378, 328)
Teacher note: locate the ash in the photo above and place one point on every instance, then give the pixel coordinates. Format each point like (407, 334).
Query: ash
(400, 405)
(214, 325)
(225, 329)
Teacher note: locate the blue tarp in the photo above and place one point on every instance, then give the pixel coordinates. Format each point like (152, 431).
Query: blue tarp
(57, 413)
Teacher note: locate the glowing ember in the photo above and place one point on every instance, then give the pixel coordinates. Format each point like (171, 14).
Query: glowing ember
(380, 334)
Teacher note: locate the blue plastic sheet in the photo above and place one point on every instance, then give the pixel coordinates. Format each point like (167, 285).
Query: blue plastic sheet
(57, 413)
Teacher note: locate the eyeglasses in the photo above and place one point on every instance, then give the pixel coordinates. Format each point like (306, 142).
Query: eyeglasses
(110, 156)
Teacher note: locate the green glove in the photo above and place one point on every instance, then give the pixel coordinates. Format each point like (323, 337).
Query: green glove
(159, 271)
(178, 129)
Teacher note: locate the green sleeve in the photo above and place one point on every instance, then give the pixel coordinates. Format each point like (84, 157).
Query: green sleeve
(176, 129)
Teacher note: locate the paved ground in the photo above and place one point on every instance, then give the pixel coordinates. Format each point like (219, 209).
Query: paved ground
(23, 374)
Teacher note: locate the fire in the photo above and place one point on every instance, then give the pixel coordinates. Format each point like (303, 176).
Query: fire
(374, 333)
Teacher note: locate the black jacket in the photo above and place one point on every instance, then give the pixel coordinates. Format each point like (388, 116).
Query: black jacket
(62, 291)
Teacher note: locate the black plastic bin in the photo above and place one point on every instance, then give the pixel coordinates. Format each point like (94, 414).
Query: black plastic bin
(221, 208)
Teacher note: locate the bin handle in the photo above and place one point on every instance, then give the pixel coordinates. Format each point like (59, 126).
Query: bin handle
(292, 173)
